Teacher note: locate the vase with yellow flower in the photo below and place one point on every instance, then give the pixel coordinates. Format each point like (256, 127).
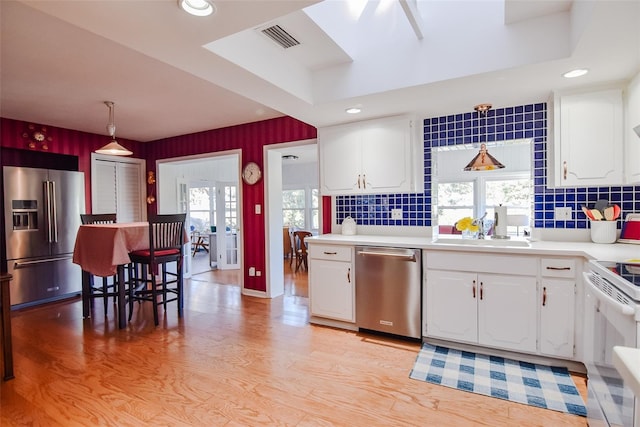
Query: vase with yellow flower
(468, 227)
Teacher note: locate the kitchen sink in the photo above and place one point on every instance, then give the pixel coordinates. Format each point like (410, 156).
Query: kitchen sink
(482, 242)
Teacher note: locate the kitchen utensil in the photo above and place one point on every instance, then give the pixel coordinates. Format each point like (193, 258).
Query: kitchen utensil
(616, 212)
(597, 215)
(587, 212)
(608, 213)
(601, 205)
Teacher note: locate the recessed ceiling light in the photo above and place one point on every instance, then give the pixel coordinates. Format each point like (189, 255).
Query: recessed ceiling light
(575, 73)
(197, 7)
(353, 110)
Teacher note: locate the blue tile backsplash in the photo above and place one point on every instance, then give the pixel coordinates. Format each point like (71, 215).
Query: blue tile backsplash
(501, 124)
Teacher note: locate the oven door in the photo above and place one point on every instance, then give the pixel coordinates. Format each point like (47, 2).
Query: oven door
(607, 323)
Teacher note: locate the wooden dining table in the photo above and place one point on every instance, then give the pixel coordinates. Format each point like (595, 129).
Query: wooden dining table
(103, 250)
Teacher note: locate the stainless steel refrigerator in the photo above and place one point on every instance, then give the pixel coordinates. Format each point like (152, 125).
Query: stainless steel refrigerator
(42, 216)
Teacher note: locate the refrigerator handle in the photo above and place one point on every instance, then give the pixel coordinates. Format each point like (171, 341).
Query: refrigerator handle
(54, 211)
(47, 209)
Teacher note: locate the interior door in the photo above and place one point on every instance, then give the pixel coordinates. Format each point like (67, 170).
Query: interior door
(228, 232)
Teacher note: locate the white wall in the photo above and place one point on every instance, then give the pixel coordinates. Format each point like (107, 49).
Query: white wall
(450, 164)
(299, 175)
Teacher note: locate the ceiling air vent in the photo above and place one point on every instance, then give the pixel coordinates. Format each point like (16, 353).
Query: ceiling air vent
(280, 36)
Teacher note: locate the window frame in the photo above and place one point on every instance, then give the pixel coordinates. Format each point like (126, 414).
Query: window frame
(308, 208)
(479, 182)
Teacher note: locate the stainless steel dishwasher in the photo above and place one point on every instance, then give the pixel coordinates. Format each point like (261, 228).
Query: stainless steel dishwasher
(389, 290)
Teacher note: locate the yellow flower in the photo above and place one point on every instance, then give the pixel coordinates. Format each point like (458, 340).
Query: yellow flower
(465, 224)
(474, 228)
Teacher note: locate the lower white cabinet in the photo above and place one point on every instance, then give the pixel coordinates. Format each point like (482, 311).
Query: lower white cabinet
(331, 282)
(488, 309)
(507, 312)
(556, 302)
(520, 303)
(450, 305)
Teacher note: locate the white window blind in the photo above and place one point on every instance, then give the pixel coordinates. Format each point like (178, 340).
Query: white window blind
(118, 186)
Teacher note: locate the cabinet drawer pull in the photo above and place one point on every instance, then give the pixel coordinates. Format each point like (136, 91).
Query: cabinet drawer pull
(330, 253)
(349, 275)
(564, 169)
(559, 268)
(481, 292)
(358, 181)
(364, 181)
(544, 296)
(474, 289)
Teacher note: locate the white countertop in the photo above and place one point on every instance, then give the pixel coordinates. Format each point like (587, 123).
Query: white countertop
(616, 252)
(627, 362)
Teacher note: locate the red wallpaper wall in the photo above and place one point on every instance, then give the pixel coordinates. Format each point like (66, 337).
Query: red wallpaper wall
(65, 141)
(251, 138)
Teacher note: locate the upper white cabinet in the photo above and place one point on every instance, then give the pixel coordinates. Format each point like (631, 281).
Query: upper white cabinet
(371, 157)
(631, 139)
(588, 139)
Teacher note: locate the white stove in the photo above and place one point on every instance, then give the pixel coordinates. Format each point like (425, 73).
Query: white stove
(623, 276)
(612, 318)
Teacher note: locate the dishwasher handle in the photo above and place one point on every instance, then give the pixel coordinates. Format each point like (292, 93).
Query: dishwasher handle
(408, 255)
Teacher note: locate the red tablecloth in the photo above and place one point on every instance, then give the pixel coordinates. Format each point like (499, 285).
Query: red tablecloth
(100, 248)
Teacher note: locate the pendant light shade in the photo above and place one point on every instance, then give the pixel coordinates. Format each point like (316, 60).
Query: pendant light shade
(113, 148)
(483, 161)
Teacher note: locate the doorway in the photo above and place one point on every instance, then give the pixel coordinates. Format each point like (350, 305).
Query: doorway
(288, 165)
(212, 213)
(207, 189)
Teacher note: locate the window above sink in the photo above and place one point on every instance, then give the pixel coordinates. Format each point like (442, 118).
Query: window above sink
(462, 193)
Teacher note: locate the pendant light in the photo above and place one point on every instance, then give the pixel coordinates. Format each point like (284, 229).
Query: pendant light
(113, 148)
(483, 161)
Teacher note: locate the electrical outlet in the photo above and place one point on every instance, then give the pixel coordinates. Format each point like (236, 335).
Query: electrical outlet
(396, 213)
(562, 214)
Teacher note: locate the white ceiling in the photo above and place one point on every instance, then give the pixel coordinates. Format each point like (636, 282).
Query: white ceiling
(172, 74)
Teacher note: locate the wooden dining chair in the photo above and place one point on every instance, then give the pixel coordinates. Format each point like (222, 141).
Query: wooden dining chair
(199, 241)
(108, 286)
(166, 234)
(301, 248)
(287, 244)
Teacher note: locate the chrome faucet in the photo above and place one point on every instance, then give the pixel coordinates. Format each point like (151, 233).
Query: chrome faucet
(480, 223)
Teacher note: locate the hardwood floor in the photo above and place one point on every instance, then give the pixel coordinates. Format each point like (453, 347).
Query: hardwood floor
(230, 361)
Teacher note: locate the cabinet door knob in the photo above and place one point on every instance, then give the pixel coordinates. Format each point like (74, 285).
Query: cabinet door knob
(544, 296)
(564, 169)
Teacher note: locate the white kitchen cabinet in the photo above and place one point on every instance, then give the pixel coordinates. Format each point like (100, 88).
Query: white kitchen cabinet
(556, 302)
(371, 157)
(494, 310)
(331, 282)
(631, 139)
(451, 308)
(587, 142)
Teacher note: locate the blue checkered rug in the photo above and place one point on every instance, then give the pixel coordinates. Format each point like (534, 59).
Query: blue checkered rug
(522, 382)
